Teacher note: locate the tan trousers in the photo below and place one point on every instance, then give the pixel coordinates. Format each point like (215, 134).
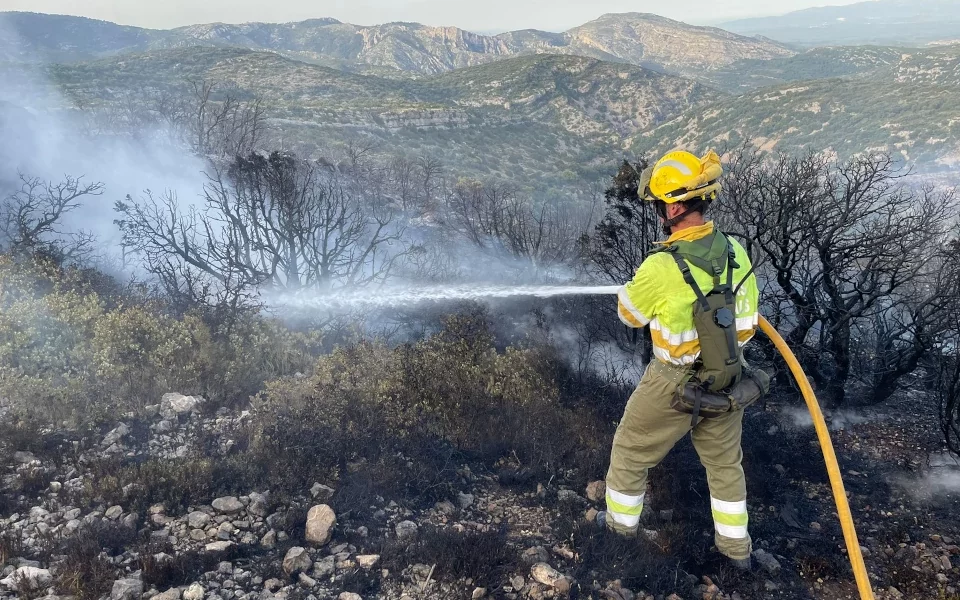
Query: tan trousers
(648, 430)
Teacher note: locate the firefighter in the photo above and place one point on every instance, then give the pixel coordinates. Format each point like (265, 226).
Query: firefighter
(698, 296)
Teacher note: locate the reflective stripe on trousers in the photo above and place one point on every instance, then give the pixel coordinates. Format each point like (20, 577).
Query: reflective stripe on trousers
(730, 518)
(624, 509)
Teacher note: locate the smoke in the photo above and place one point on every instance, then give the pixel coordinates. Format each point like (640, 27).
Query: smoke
(836, 420)
(941, 478)
(44, 135)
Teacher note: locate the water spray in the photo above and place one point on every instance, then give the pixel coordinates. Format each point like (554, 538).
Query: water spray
(412, 296)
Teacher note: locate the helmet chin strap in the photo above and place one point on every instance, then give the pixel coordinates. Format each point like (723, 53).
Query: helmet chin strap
(668, 223)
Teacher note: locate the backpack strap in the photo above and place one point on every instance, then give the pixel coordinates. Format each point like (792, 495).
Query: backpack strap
(731, 301)
(688, 277)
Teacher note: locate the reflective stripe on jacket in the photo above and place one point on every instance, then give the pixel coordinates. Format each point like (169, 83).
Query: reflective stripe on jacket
(659, 297)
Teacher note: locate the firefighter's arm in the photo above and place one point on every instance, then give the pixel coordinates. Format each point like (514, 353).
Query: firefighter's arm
(638, 300)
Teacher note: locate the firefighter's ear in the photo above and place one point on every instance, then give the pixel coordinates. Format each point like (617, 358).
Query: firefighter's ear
(674, 210)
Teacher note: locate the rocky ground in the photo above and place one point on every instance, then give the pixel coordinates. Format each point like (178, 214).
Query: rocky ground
(506, 533)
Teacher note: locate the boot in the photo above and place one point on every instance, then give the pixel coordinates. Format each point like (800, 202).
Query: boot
(743, 564)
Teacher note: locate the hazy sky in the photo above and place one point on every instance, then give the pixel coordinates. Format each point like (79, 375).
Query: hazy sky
(477, 15)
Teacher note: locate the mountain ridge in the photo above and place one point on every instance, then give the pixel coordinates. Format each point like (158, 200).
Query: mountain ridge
(637, 38)
(878, 22)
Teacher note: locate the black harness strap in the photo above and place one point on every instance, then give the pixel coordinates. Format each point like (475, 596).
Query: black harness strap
(732, 336)
(688, 277)
(698, 394)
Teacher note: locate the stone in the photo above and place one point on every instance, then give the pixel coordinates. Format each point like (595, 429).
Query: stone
(259, 504)
(596, 491)
(568, 496)
(296, 560)
(349, 596)
(465, 500)
(127, 589)
(320, 523)
(227, 505)
(591, 515)
(325, 567)
(34, 577)
(446, 507)
(537, 554)
(113, 513)
(406, 531)
(194, 592)
(221, 546)
(198, 519)
(116, 435)
(767, 561)
(367, 561)
(174, 405)
(24, 458)
(816, 526)
(307, 581)
(478, 593)
(269, 539)
(225, 530)
(321, 493)
(171, 594)
(517, 582)
(545, 574)
(198, 535)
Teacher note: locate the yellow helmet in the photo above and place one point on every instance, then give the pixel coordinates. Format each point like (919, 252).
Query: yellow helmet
(681, 176)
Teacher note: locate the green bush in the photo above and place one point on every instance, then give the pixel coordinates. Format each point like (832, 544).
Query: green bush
(69, 353)
(397, 416)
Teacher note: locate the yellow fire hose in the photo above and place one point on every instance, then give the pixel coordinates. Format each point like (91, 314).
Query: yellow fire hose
(830, 457)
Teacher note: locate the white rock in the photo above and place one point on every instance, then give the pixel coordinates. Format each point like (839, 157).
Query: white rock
(198, 519)
(406, 531)
(547, 575)
(127, 589)
(322, 493)
(367, 561)
(307, 581)
(320, 523)
(269, 539)
(349, 596)
(325, 567)
(34, 577)
(24, 458)
(194, 592)
(296, 560)
(121, 431)
(171, 594)
(258, 504)
(228, 505)
(113, 513)
(218, 546)
(465, 500)
(173, 405)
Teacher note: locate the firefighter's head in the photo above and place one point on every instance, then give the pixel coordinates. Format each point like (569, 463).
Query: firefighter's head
(681, 184)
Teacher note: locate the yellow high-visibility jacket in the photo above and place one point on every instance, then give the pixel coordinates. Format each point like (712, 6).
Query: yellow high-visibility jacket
(659, 297)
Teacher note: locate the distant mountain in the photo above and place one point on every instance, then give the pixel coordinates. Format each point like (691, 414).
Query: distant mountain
(909, 107)
(543, 121)
(883, 22)
(640, 39)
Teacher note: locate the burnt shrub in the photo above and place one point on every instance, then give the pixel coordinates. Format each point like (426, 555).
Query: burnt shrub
(163, 567)
(85, 571)
(484, 556)
(175, 483)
